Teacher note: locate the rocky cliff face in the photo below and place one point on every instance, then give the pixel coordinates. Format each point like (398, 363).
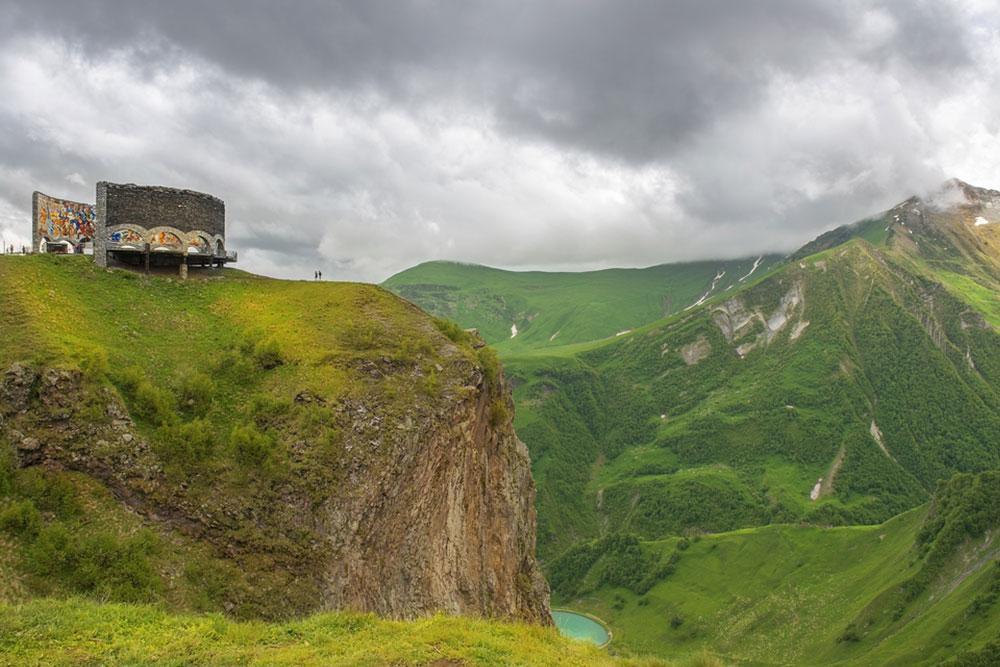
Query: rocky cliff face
(447, 521)
(422, 509)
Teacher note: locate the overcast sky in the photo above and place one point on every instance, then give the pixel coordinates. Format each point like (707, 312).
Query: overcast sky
(365, 137)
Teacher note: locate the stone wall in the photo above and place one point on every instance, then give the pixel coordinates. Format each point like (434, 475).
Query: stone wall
(56, 219)
(101, 239)
(154, 206)
(168, 219)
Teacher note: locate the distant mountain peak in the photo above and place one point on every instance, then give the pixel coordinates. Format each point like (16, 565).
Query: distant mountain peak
(954, 194)
(955, 222)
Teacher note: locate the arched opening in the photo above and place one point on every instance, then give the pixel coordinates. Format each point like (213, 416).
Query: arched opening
(199, 245)
(164, 241)
(220, 250)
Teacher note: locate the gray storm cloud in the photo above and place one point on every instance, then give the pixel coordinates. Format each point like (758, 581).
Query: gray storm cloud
(364, 137)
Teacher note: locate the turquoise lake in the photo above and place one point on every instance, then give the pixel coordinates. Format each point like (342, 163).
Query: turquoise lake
(578, 626)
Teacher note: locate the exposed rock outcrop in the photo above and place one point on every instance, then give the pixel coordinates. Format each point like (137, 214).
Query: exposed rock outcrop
(435, 511)
(695, 351)
(736, 321)
(447, 522)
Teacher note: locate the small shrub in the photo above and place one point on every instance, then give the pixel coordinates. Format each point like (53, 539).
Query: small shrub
(850, 634)
(312, 419)
(236, 367)
(153, 404)
(248, 341)
(148, 402)
(414, 347)
(21, 518)
(94, 363)
(196, 393)
(210, 582)
(98, 563)
(267, 410)
(985, 657)
(498, 413)
(328, 444)
(989, 597)
(6, 467)
(432, 383)
(491, 365)
(683, 544)
(50, 554)
(676, 621)
(267, 353)
(363, 336)
(187, 443)
(452, 330)
(129, 379)
(250, 446)
(50, 492)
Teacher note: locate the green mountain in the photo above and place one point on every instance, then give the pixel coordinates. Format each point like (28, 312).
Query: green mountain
(839, 389)
(521, 310)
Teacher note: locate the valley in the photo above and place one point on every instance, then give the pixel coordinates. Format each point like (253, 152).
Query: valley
(829, 394)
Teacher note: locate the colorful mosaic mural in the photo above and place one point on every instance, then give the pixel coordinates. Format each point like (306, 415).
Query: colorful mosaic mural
(165, 240)
(66, 220)
(126, 237)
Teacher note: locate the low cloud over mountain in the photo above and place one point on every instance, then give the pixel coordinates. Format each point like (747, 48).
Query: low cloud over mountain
(365, 137)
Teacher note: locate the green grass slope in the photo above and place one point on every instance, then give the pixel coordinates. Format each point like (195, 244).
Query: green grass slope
(551, 309)
(918, 589)
(80, 632)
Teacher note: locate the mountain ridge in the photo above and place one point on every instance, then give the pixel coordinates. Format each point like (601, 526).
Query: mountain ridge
(521, 310)
(951, 209)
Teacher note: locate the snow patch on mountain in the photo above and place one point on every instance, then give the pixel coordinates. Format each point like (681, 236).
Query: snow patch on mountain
(753, 268)
(715, 281)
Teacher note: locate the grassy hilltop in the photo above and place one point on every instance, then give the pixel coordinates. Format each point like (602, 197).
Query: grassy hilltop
(233, 381)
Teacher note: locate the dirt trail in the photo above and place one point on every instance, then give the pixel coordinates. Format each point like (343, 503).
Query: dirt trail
(824, 485)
